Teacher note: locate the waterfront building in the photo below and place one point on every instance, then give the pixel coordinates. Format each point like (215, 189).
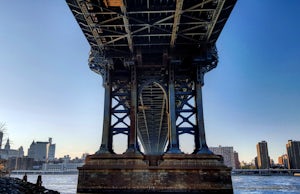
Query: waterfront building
(293, 152)
(7, 152)
(255, 162)
(61, 167)
(236, 160)
(228, 154)
(42, 151)
(51, 154)
(1, 137)
(17, 163)
(263, 159)
(84, 155)
(283, 161)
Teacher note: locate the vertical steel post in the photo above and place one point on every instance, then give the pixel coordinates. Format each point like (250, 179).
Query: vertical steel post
(132, 137)
(173, 135)
(196, 134)
(106, 144)
(199, 112)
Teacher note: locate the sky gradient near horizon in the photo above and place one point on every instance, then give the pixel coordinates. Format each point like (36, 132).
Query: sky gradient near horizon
(47, 89)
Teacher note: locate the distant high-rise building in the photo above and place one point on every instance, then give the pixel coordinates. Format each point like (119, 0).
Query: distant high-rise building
(283, 161)
(227, 153)
(51, 154)
(293, 152)
(263, 159)
(255, 162)
(236, 160)
(31, 150)
(42, 151)
(1, 138)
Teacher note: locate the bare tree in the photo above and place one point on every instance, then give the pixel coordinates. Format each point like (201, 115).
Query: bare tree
(2, 127)
(2, 130)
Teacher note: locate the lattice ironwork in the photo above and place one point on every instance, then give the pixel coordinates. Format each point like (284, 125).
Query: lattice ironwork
(152, 55)
(120, 108)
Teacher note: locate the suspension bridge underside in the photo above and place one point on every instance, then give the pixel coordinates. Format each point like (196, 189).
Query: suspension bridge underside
(152, 56)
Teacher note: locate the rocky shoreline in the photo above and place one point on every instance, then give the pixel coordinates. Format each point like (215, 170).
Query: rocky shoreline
(9, 185)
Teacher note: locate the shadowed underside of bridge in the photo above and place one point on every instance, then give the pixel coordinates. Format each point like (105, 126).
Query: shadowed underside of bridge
(136, 42)
(152, 56)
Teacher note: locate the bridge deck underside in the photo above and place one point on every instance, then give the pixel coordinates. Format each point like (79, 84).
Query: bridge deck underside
(131, 27)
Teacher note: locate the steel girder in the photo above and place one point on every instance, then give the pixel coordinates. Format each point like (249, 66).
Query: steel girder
(129, 27)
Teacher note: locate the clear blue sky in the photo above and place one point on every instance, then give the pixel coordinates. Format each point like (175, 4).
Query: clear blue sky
(47, 89)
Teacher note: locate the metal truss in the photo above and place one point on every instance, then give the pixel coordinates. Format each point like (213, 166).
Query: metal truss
(121, 28)
(185, 107)
(120, 110)
(152, 55)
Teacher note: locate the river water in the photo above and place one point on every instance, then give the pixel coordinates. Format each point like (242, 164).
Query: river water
(66, 184)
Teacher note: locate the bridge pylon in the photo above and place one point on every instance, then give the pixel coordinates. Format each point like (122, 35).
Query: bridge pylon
(152, 56)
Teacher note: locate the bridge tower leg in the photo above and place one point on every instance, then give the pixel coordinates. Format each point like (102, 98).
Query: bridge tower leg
(132, 137)
(106, 143)
(200, 129)
(173, 134)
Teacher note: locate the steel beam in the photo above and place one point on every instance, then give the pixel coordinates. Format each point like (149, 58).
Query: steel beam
(106, 144)
(199, 113)
(126, 25)
(215, 18)
(89, 22)
(132, 138)
(173, 136)
(177, 15)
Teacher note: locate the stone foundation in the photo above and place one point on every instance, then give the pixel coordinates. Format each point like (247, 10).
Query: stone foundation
(170, 173)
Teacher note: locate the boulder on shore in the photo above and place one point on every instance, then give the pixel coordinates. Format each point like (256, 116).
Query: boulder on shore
(9, 185)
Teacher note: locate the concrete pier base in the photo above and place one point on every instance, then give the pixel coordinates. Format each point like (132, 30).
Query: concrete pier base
(170, 173)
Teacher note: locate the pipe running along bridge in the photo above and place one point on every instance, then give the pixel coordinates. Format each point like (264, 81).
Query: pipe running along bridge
(152, 55)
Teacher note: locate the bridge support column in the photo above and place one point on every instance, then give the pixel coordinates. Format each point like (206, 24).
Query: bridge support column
(173, 135)
(106, 143)
(132, 137)
(200, 130)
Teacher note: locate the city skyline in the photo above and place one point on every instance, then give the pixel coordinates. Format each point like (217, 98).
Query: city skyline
(49, 91)
(212, 149)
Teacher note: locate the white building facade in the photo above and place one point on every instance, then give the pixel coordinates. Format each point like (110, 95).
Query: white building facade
(42, 151)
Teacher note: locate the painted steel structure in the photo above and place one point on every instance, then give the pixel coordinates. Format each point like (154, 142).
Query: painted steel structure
(152, 55)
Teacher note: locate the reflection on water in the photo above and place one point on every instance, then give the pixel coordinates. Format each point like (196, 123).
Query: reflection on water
(66, 184)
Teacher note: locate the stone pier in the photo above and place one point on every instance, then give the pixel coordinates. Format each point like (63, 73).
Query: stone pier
(169, 173)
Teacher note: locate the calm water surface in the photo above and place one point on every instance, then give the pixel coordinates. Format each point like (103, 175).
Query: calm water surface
(266, 184)
(66, 184)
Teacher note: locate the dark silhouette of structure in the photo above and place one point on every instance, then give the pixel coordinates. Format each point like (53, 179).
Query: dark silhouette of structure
(152, 56)
(263, 159)
(293, 152)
